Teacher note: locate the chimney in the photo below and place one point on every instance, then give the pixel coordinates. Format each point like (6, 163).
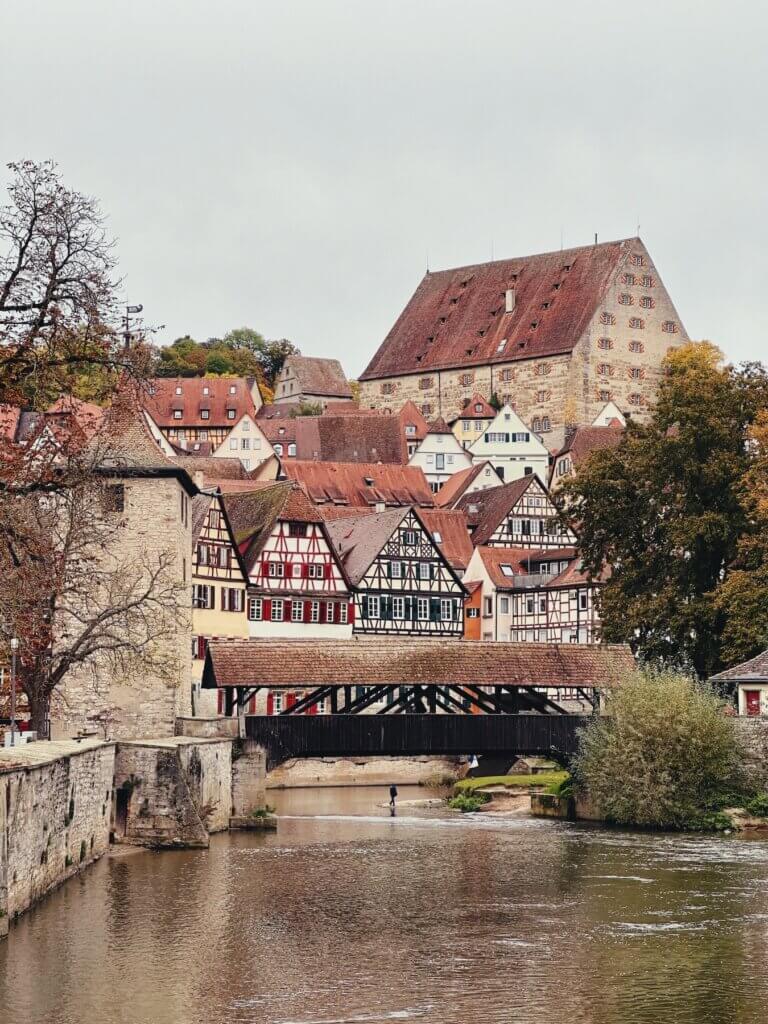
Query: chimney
(509, 300)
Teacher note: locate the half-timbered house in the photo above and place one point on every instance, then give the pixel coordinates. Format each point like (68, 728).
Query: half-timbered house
(219, 582)
(519, 514)
(403, 584)
(533, 596)
(297, 586)
(478, 477)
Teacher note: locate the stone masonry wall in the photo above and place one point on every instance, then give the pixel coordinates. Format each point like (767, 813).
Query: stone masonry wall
(172, 792)
(96, 698)
(753, 737)
(55, 808)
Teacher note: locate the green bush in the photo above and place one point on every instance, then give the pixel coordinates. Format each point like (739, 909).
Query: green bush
(663, 755)
(466, 803)
(544, 779)
(562, 788)
(263, 812)
(757, 806)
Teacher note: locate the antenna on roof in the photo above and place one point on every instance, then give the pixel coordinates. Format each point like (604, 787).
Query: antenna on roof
(427, 260)
(595, 238)
(638, 226)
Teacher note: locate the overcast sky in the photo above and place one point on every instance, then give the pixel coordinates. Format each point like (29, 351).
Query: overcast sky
(293, 166)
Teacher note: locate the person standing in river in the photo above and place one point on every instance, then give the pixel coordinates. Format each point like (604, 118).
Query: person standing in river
(392, 798)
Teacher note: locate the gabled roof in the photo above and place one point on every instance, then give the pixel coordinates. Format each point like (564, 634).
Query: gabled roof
(518, 561)
(412, 660)
(254, 514)
(475, 409)
(192, 401)
(439, 426)
(224, 469)
(755, 670)
(507, 421)
(486, 510)
(200, 506)
(361, 484)
(358, 541)
(448, 530)
(456, 485)
(457, 317)
(585, 440)
(277, 411)
(319, 376)
(68, 410)
(410, 416)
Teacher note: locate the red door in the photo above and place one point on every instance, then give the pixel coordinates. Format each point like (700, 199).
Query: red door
(752, 700)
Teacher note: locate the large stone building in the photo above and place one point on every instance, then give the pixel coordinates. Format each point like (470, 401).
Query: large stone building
(555, 335)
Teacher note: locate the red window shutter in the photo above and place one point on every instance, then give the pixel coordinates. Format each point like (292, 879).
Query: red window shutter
(288, 570)
(290, 700)
(270, 703)
(351, 611)
(252, 706)
(312, 709)
(307, 611)
(328, 570)
(220, 702)
(286, 611)
(265, 567)
(305, 570)
(267, 610)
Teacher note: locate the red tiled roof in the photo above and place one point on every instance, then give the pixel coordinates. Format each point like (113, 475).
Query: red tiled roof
(347, 483)
(470, 410)
(319, 376)
(191, 402)
(350, 408)
(486, 510)
(455, 543)
(308, 663)
(410, 416)
(348, 438)
(67, 409)
(277, 411)
(456, 485)
(585, 440)
(439, 426)
(358, 541)
(521, 559)
(457, 317)
(754, 670)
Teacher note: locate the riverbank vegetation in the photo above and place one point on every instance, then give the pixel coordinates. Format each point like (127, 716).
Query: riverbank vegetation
(666, 756)
(468, 802)
(545, 779)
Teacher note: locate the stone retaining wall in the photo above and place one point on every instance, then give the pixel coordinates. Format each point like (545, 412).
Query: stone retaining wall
(753, 736)
(55, 808)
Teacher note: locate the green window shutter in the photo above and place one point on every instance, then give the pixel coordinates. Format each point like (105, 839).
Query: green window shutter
(434, 609)
(365, 607)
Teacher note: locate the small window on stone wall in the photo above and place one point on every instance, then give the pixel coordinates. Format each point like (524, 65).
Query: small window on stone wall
(425, 383)
(605, 344)
(669, 327)
(635, 399)
(467, 379)
(506, 375)
(625, 299)
(607, 318)
(636, 323)
(636, 346)
(387, 388)
(637, 373)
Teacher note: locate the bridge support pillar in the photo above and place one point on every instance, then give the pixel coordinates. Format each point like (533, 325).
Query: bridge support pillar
(249, 778)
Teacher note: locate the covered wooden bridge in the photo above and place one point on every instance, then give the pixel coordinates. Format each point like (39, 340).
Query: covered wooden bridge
(413, 696)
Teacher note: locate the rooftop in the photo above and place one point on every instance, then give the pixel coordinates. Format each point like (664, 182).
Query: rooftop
(316, 376)
(460, 317)
(361, 484)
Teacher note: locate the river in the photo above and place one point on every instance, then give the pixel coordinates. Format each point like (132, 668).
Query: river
(347, 915)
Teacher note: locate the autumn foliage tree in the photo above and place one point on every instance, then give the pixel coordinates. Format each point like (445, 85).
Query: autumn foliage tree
(664, 511)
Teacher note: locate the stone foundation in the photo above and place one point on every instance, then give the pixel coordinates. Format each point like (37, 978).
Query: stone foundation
(55, 809)
(172, 792)
(357, 771)
(753, 737)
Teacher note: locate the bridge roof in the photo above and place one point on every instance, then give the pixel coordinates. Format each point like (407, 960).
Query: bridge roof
(367, 662)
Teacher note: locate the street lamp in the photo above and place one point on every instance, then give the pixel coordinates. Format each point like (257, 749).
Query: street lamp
(14, 649)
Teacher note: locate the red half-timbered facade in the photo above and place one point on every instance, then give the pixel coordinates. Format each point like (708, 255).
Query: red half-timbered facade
(296, 584)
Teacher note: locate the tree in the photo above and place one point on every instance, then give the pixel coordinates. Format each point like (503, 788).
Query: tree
(663, 756)
(58, 296)
(742, 597)
(247, 338)
(662, 510)
(495, 402)
(70, 599)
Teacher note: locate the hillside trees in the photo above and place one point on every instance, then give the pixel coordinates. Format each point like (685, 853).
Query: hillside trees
(665, 511)
(242, 352)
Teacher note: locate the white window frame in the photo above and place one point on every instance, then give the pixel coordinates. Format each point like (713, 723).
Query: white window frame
(422, 609)
(297, 611)
(398, 603)
(396, 570)
(276, 570)
(314, 612)
(425, 571)
(255, 609)
(277, 603)
(446, 609)
(374, 606)
(344, 613)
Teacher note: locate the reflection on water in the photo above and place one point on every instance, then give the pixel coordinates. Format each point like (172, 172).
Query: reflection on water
(356, 917)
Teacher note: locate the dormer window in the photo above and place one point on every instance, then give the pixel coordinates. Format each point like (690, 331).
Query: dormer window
(478, 407)
(232, 389)
(206, 390)
(281, 430)
(230, 414)
(178, 391)
(177, 414)
(205, 414)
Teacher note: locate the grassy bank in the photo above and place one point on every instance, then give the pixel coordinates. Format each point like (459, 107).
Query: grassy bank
(546, 779)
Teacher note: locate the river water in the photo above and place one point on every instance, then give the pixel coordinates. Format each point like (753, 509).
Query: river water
(347, 915)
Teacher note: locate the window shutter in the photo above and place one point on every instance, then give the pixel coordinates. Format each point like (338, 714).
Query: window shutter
(265, 567)
(434, 609)
(220, 702)
(290, 700)
(365, 606)
(351, 611)
(304, 570)
(311, 710)
(328, 570)
(389, 570)
(267, 610)
(270, 703)
(307, 611)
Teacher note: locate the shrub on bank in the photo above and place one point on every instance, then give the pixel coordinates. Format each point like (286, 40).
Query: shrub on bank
(468, 802)
(543, 779)
(664, 756)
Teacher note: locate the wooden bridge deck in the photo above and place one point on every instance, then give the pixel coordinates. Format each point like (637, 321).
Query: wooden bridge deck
(287, 736)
